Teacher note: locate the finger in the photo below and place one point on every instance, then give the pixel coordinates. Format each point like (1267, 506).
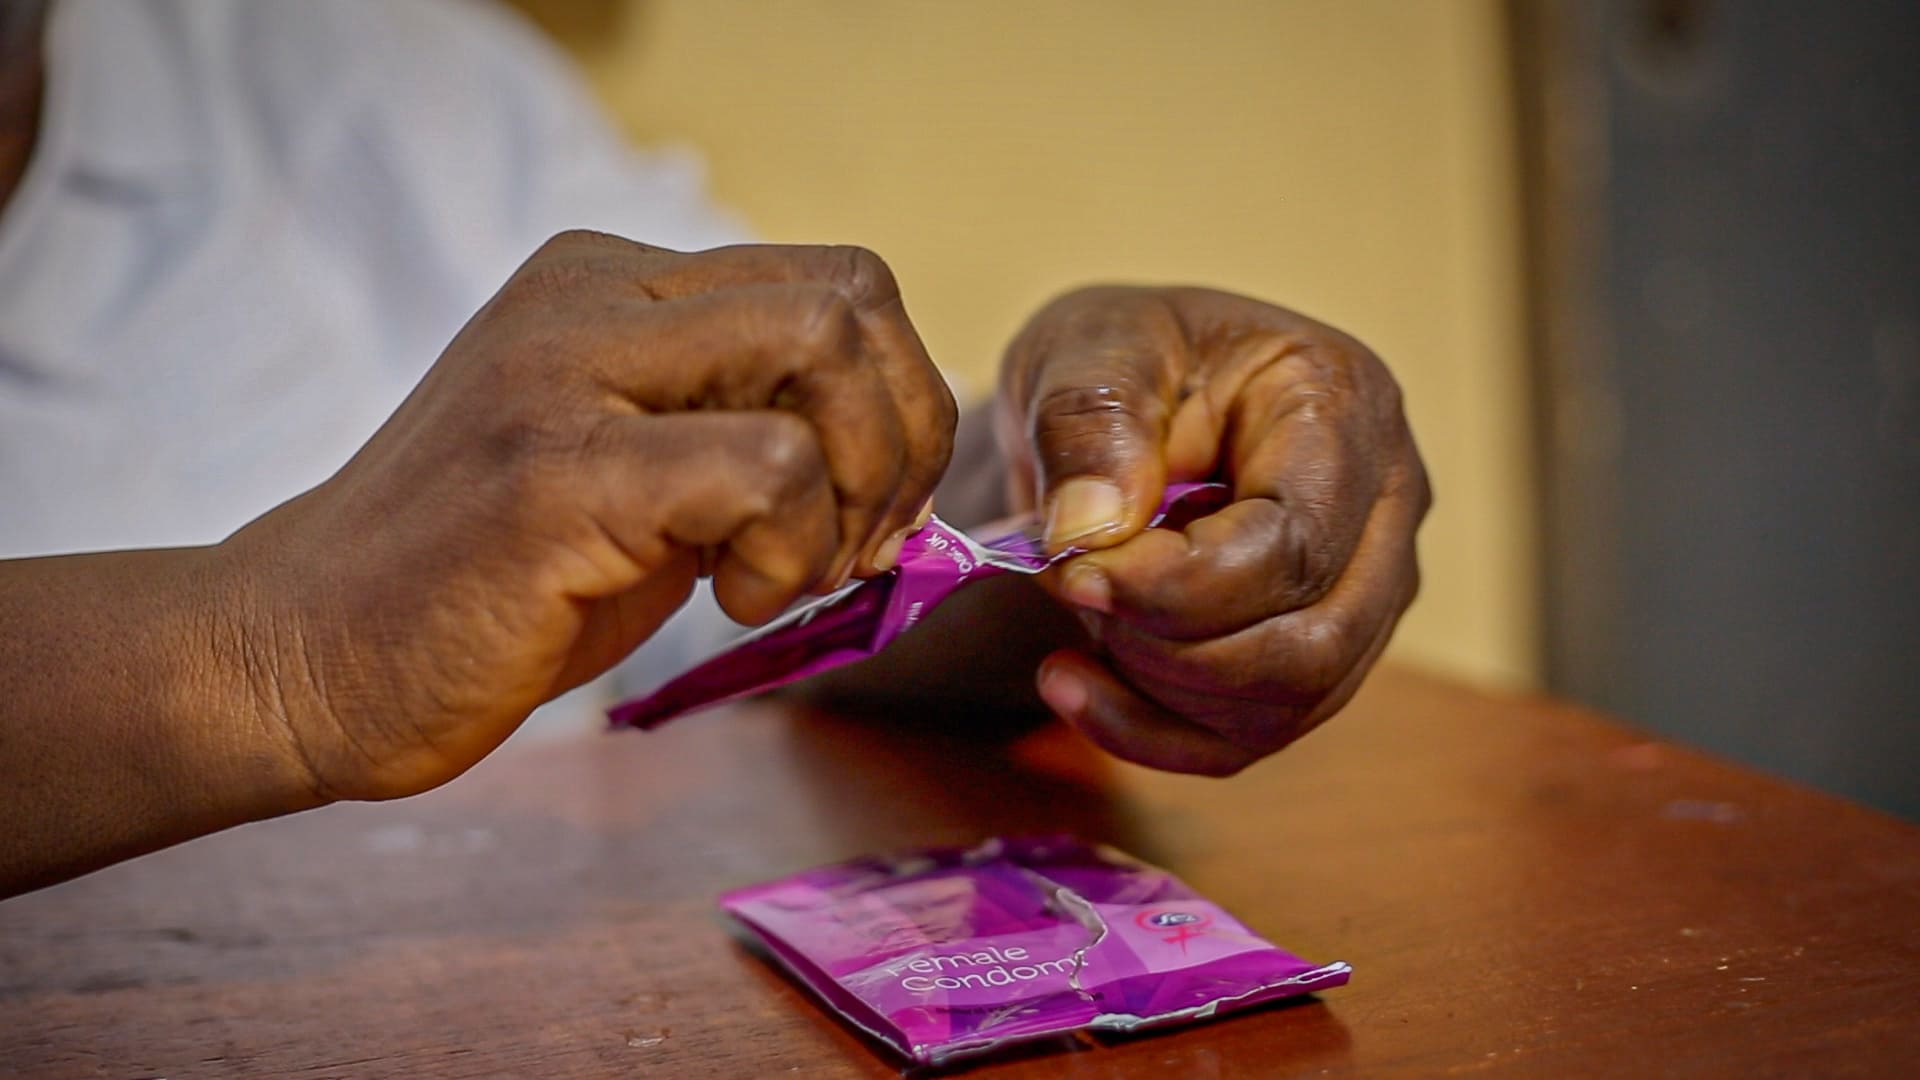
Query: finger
(1302, 656)
(1349, 685)
(1264, 726)
(929, 415)
(754, 485)
(1302, 434)
(1096, 403)
(1225, 572)
(662, 274)
(614, 626)
(921, 397)
(791, 347)
(1085, 694)
(1305, 477)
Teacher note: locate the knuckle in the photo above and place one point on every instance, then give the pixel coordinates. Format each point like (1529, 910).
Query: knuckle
(1423, 490)
(549, 275)
(1308, 562)
(1075, 421)
(566, 241)
(932, 439)
(1320, 649)
(873, 484)
(1313, 376)
(860, 275)
(946, 411)
(1286, 663)
(582, 238)
(576, 260)
(1393, 399)
(583, 242)
(824, 328)
(786, 448)
(1065, 454)
(1293, 563)
(1074, 405)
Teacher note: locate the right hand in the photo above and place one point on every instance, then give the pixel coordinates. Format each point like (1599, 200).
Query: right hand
(616, 416)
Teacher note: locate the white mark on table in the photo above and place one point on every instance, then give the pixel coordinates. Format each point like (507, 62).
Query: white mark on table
(395, 839)
(638, 1041)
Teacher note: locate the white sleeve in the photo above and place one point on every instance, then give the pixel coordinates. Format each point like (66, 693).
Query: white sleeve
(580, 173)
(574, 169)
(516, 140)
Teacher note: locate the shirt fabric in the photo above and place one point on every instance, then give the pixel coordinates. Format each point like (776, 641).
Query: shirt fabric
(248, 228)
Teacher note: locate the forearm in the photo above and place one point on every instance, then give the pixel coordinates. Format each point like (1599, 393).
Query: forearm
(127, 718)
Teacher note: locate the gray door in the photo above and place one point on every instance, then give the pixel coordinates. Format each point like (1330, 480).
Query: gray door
(1725, 233)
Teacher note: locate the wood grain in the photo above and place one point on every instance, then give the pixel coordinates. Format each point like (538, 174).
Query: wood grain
(1522, 888)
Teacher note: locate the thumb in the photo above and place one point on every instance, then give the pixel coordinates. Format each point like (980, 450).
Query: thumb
(1097, 424)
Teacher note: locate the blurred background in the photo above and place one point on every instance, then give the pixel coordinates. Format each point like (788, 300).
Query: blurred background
(1649, 271)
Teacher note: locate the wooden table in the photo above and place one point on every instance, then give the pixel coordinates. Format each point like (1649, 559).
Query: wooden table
(1522, 888)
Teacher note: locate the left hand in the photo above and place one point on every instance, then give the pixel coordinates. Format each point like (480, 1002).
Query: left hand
(1225, 642)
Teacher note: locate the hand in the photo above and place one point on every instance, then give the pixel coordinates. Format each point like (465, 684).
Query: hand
(1225, 642)
(545, 498)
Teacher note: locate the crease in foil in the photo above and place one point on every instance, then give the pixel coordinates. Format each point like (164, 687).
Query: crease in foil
(946, 953)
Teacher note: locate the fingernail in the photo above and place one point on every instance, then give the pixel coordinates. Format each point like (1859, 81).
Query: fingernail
(1081, 507)
(925, 515)
(1064, 692)
(1087, 587)
(887, 555)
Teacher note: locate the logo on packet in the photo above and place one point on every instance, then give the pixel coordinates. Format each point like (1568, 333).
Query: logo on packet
(934, 971)
(1186, 925)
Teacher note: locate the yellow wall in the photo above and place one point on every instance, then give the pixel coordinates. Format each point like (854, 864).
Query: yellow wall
(1350, 158)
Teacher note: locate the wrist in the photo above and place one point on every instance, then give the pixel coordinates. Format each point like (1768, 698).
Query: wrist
(128, 713)
(257, 736)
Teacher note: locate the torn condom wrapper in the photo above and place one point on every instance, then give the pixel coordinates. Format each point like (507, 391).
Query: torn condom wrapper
(948, 952)
(862, 618)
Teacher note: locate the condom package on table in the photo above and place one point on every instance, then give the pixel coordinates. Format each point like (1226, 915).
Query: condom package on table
(946, 953)
(860, 619)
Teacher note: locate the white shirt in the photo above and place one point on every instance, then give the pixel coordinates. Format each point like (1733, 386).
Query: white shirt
(248, 228)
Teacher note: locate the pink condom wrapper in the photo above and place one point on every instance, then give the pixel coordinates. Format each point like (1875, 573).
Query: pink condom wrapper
(860, 619)
(949, 952)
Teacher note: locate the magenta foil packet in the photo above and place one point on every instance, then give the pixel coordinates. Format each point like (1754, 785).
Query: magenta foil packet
(862, 618)
(949, 952)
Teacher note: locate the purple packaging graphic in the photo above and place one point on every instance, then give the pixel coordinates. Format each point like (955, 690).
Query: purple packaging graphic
(949, 952)
(860, 619)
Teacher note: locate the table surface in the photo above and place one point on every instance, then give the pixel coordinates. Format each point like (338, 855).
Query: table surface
(1521, 887)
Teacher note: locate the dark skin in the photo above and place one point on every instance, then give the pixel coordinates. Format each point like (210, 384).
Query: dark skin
(614, 418)
(22, 89)
(620, 419)
(1199, 651)
(1221, 644)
